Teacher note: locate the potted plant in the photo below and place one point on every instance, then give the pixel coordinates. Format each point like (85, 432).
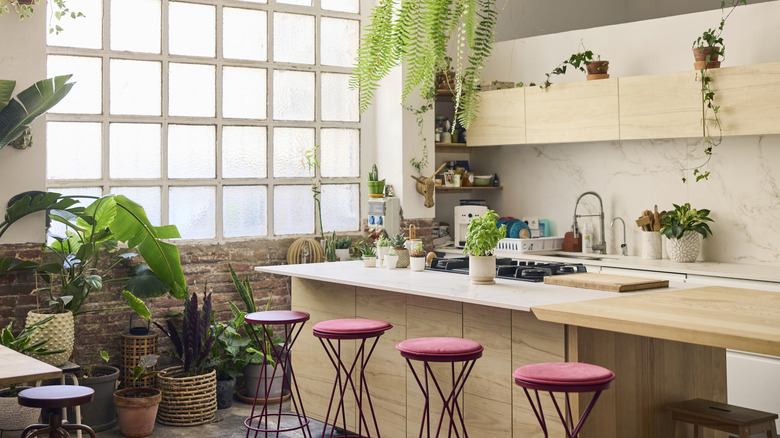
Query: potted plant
(684, 228)
(17, 114)
(329, 246)
(398, 244)
(391, 258)
(369, 256)
(136, 407)
(583, 61)
(482, 236)
(382, 247)
(100, 413)
(416, 251)
(14, 417)
(342, 248)
(708, 47)
(376, 187)
(189, 391)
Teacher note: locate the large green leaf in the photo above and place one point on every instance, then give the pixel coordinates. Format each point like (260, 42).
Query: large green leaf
(32, 202)
(30, 104)
(6, 91)
(143, 283)
(137, 305)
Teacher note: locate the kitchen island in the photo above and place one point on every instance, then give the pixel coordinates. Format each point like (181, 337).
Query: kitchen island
(651, 370)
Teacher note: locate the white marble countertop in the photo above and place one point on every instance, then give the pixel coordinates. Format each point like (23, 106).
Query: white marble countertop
(508, 294)
(709, 269)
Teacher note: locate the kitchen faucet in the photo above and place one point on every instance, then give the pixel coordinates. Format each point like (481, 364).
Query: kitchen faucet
(624, 246)
(601, 246)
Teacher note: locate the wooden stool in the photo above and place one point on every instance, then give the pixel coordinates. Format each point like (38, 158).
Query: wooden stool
(53, 399)
(724, 417)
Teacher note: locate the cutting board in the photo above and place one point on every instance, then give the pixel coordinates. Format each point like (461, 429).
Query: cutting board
(607, 282)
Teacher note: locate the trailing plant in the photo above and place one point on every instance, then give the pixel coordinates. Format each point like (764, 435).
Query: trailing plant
(482, 235)
(422, 162)
(22, 343)
(313, 164)
(684, 218)
(711, 39)
(398, 241)
(26, 9)
(18, 112)
(367, 250)
(417, 33)
(577, 60)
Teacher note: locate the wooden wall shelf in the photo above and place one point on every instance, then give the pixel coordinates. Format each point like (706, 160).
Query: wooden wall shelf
(451, 147)
(443, 189)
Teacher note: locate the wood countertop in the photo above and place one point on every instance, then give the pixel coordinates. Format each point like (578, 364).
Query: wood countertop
(739, 319)
(19, 368)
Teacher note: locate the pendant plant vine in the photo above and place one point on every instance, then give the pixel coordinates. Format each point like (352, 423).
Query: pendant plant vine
(418, 34)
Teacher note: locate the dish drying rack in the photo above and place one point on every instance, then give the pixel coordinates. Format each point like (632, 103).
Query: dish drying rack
(509, 246)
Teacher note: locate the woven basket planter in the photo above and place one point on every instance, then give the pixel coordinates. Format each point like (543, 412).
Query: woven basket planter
(186, 401)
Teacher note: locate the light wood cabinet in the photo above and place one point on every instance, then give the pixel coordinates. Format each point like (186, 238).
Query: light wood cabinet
(748, 97)
(501, 119)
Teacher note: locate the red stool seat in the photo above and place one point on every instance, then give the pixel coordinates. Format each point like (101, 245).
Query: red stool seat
(350, 328)
(440, 349)
(52, 399)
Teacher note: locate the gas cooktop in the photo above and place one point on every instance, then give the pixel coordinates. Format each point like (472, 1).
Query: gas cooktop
(508, 268)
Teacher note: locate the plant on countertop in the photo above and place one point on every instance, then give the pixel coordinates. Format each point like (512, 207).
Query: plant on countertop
(343, 243)
(398, 241)
(22, 343)
(330, 247)
(313, 164)
(25, 9)
(417, 33)
(711, 46)
(382, 241)
(684, 218)
(482, 235)
(367, 251)
(17, 113)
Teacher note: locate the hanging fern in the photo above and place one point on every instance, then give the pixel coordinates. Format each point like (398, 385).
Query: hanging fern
(418, 35)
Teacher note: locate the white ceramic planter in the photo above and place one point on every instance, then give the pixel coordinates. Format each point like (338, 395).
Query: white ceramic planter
(482, 270)
(369, 262)
(417, 263)
(685, 249)
(343, 254)
(58, 333)
(392, 261)
(381, 252)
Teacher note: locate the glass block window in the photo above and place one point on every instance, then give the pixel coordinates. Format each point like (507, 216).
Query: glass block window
(205, 114)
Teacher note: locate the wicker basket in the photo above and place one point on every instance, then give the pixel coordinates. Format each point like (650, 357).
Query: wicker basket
(134, 347)
(186, 401)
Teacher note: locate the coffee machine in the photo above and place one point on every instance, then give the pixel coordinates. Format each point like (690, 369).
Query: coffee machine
(384, 214)
(463, 215)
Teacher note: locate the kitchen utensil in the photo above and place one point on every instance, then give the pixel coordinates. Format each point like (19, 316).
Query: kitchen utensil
(643, 222)
(607, 282)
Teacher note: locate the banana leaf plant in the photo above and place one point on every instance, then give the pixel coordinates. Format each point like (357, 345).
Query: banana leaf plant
(72, 267)
(17, 113)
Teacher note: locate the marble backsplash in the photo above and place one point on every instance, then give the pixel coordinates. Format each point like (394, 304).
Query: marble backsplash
(743, 193)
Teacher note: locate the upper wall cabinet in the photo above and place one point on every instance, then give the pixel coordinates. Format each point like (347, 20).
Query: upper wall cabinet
(580, 111)
(501, 119)
(660, 106)
(748, 97)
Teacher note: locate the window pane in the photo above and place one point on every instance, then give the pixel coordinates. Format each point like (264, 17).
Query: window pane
(244, 92)
(191, 90)
(254, 1)
(191, 151)
(146, 197)
(340, 207)
(192, 29)
(295, 2)
(340, 152)
(293, 95)
(244, 211)
(245, 34)
(341, 5)
(134, 150)
(135, 87)
(338, 41)
(294, 38)
(125, 18)
(293, 210)
(289, 146)
(73, 150)
(192, 210)
(244, 152)
(339, 102)
(84, 32)
(87, 95)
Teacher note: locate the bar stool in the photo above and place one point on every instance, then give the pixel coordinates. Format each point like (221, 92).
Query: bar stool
(53, 399)
(348, 329)
(293, 322)
(563, 377)
(738, 420)
(450, 350)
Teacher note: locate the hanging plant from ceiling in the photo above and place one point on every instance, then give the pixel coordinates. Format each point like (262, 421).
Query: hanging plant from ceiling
(418, 34)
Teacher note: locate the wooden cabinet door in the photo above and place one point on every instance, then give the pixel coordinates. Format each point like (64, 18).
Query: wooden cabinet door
(501, 119)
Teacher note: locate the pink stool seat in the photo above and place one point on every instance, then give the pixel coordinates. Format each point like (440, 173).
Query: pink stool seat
(277, 317)
(350, 328)
(564, 376)
(440, 349)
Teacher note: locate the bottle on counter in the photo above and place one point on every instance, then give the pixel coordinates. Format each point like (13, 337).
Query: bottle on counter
(587, 239)
(496, 183)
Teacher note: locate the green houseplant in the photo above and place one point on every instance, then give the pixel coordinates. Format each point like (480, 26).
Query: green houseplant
(376, 187)
(398, 245)
(583, 60)
(684, 228)
(369, 256)
(482, 236)
(382, 247)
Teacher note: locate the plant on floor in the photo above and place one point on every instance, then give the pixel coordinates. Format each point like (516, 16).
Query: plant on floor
(711, 49)
(136, 407)
(482, 235)
(685, 218)
(89, 370)
(417, 34)
(23, 343)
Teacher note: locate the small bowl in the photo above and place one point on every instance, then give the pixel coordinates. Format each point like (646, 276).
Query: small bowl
(483, 180)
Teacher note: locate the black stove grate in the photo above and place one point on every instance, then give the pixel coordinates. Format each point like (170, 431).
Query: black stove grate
(509, 269)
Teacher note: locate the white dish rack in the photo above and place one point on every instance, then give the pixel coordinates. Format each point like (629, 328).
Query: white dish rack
(519, 246)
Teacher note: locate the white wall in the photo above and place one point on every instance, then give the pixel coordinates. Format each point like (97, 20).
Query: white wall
(23, 58)
(631, 176)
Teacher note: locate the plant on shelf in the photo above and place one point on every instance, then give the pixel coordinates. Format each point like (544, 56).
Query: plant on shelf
(581, 61)
(25, 9)
(482, 236)
(685, 227)
(417, 34)
(369, 256)
(17, 113)
(709, 50)
(376, 186)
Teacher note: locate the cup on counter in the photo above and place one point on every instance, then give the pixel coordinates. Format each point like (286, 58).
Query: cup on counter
(651, 245)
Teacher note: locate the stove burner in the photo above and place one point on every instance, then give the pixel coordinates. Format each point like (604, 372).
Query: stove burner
(508, 268)
(567, 270)
(535, 273)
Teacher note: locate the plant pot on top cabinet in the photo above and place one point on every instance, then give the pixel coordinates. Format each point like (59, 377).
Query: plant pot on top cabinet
(700, 54)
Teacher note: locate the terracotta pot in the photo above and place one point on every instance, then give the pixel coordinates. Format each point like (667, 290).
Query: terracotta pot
(685, 249)
(597, 67)
(482, 269)
(136, 409)
(700, 54)
(58, 333)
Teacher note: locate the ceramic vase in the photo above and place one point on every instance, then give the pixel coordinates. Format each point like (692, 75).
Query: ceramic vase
(482, 269)
(417, 263)
(392, 261)
(369, 262)
(686, 249)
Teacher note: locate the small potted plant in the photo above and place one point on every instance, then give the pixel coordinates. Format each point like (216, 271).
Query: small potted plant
(342, 248)
(382, 247)
(376, 187)
(398, 244)
(482, 236)
(136, 408)
(416, 250)
(684, 228)
(391, 258)
(709, 47)
(583, 61)
(369, 256)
